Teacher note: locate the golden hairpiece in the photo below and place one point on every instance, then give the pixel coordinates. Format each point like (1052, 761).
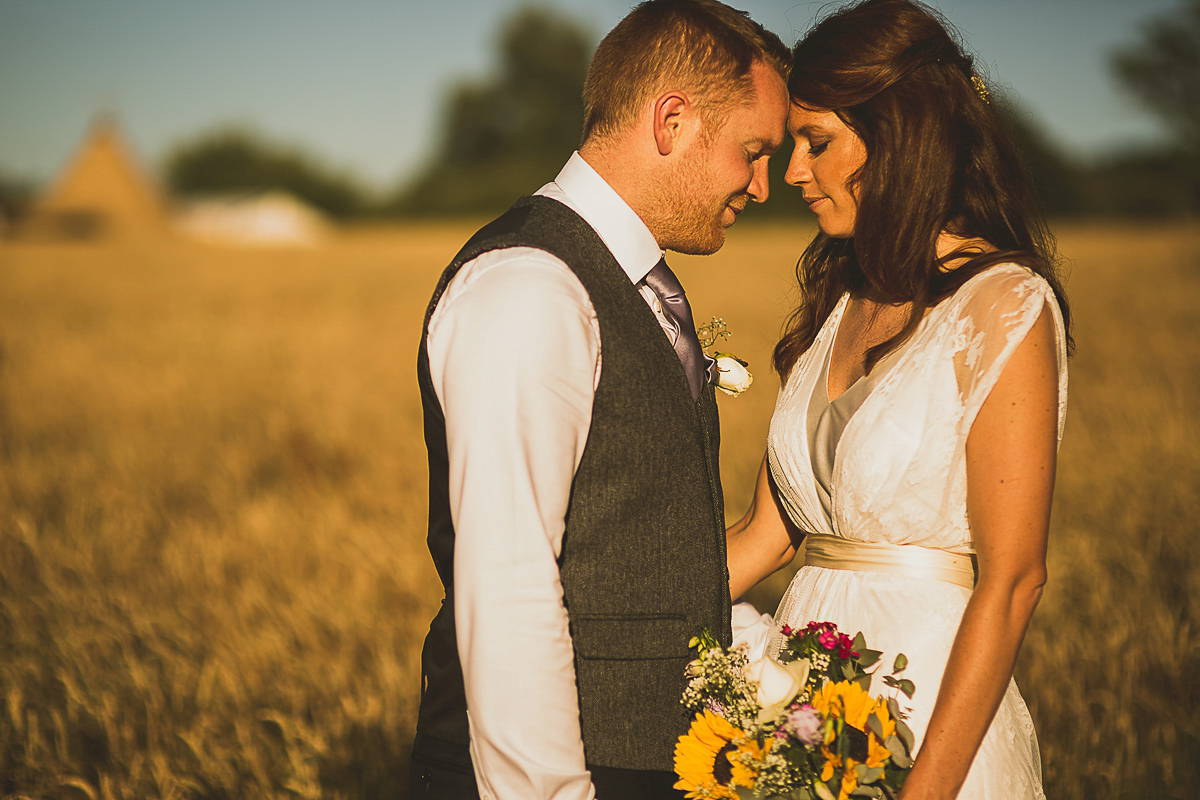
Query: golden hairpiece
(981, 87)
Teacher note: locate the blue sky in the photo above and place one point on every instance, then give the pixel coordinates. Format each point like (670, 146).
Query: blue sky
(359, 82)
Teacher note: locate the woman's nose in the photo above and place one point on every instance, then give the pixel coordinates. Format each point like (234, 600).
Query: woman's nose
(797, 172)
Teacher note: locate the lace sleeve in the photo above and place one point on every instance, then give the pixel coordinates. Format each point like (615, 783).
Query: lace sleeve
(995, 311)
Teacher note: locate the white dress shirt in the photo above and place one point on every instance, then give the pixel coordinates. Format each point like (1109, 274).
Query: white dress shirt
(515, 354)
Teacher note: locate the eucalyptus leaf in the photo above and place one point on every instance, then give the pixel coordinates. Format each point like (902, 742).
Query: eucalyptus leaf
(871, 774)
(867, 791)
(867, 657)
(874, 726)
(890, 681)
(860, 642)
(802, 793)
(905, 733)
(907, 686)
(864, 681)
(822, 791)
(848, 671)
(894, 708)
(899, 755)
(901, 663)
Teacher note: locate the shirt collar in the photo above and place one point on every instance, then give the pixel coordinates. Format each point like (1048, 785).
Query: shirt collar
(580, 188)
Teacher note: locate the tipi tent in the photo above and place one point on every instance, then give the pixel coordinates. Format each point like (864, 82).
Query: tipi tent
(102, 192)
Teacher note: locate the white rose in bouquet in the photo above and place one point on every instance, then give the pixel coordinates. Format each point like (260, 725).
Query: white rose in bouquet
(778, 684)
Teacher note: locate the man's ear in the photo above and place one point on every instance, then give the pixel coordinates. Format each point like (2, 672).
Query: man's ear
(671, 116)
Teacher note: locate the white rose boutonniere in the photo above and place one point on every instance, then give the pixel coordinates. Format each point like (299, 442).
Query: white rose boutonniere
(732, 376)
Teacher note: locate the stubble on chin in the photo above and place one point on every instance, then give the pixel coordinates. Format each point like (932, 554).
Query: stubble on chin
(685, 222)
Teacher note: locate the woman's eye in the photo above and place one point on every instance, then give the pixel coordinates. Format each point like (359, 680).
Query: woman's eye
(816, 148)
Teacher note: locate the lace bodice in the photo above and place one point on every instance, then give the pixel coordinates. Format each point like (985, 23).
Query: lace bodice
(899, 470)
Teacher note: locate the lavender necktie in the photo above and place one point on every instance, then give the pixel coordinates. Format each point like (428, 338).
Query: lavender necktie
(675, 304)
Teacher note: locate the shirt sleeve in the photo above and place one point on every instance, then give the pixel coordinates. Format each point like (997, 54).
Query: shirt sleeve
(514, 352)
(751, 629)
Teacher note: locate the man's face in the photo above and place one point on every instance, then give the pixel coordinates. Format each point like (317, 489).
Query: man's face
(727, 168)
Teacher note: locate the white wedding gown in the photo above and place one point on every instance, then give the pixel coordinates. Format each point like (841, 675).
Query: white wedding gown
(886, 463)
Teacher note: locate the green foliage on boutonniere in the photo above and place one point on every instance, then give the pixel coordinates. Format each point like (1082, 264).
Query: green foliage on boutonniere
(732, 376)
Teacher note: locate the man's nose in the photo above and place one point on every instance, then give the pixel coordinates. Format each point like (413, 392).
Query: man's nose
(759, 187)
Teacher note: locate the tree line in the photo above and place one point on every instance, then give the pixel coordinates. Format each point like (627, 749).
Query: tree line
(506, 136)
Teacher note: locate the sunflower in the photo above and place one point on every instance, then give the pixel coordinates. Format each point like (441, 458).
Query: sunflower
(851, 703)
(703, 758)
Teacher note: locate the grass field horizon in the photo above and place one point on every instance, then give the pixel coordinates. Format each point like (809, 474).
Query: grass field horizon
(213, 574)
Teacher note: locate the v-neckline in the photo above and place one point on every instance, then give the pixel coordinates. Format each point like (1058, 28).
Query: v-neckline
(889, 356)
(837, 329)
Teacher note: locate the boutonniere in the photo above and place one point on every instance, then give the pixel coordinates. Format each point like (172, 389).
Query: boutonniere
(732, 376)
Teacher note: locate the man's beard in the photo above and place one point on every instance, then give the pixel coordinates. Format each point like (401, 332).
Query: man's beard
(697, 231)
(691, 219)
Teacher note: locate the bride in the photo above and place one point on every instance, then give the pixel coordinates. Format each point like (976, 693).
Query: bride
(913, 445)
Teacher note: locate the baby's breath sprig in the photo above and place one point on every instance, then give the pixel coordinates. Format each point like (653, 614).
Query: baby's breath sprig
(711, 332)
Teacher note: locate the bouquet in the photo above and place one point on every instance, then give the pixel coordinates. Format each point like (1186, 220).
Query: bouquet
(800, 727)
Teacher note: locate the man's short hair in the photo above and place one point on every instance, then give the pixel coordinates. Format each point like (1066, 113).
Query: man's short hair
(702, 47)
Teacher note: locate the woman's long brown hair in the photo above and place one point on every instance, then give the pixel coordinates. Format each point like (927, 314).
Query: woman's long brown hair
(939, 158)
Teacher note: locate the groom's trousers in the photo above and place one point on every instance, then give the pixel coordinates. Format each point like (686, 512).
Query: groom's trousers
(438, 775)
(633, 784)
(438, 771)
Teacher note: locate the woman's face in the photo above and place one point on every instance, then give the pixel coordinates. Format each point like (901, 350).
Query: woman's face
(826, 155)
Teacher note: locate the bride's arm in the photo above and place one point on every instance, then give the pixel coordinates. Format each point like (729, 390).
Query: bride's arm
(1011, 457)
(762, 541)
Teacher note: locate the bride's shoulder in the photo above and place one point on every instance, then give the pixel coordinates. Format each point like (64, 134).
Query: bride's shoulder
(1002, 288)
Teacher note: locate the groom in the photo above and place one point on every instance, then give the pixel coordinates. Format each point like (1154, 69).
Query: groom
(575, 509)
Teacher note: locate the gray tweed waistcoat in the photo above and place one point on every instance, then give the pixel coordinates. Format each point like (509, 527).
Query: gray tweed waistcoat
(643, 558)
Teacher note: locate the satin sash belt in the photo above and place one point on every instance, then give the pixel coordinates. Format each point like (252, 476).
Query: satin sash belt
(914, 561)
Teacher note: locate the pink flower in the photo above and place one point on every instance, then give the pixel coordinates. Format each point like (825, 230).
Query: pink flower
(845, 647)
(804, 724)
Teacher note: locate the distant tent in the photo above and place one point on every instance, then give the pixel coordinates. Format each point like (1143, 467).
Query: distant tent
(102, 192)
(256, 219)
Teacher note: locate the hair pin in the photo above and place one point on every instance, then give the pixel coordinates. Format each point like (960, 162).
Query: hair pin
(981, 88)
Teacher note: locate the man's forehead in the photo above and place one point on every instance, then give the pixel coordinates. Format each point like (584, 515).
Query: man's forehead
(763, 142)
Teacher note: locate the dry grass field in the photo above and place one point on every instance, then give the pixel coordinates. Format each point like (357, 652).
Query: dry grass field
(213, 578)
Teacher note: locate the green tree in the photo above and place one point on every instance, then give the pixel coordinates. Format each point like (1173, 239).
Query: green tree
(234, 160)
(16, 196)
(1162, 70)
(1056, 178)
(507, 136)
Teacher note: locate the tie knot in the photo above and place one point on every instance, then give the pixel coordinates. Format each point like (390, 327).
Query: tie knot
(663, 281)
